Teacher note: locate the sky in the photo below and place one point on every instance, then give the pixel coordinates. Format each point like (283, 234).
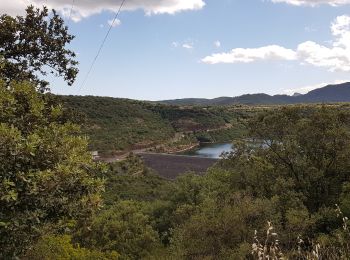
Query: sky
(167, 49)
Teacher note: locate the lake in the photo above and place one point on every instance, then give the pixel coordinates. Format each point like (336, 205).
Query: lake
(210, 150)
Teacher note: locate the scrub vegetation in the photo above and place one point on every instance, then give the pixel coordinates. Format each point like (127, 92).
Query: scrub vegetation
(114, 124)
(283, 193)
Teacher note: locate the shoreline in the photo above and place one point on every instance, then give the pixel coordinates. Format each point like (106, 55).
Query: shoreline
(124, 155)
(186, 149)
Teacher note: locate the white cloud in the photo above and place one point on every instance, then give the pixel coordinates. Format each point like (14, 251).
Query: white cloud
(240, 55)
(335, 57)
(217, 44)
(86, 8)
(114, 23)
(187, 46)
(341, 26)
(306, 89)
(313, 2)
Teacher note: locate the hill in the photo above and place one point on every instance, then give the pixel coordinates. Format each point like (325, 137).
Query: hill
(114, 124)
(327, 94)
(330, 93)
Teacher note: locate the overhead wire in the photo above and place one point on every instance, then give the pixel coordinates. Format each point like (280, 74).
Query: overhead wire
(71, 10)
(101, 46)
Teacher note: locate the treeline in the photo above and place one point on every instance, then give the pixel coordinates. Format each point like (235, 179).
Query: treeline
(119, 124)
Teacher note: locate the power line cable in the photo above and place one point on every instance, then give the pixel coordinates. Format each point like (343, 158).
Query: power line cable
(101, 46)
(71, 10)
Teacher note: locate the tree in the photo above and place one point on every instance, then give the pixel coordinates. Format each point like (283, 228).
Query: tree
(36, 45)
(309, 146)
(61, 247)
(222, 231)
(123, 228)
(299, 161)
(48, 180)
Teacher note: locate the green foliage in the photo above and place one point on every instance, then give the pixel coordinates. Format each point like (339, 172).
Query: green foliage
(61, 247)
(131, 180)
(166, 203)
(345, 199)
(185, 119)
(288, 176)
(118, 124)
(47, 177)
(238, 131)
(272, 178)
(269, 178)
(125, 229)
(308, 147)
(35, 44)
(216, 231)
(290, 173)
(300, 164)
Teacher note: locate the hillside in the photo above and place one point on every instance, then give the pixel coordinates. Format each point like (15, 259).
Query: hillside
(114, 124)
(119, 124)
(330, 93)
(327, 94)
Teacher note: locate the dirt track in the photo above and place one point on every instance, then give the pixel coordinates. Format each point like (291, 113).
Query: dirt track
(171, 166)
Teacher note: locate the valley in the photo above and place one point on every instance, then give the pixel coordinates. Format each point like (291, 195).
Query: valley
(256, 176)
(118, 126)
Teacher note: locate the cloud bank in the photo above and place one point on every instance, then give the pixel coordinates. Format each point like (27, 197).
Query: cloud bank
(86, 8)
(313, 2)
(335, 57)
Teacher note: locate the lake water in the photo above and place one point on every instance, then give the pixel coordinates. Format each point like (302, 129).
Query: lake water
(210, 150)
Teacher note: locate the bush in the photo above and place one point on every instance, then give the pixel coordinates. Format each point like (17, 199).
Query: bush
(61, 247)
(47, 176)
(122, 228)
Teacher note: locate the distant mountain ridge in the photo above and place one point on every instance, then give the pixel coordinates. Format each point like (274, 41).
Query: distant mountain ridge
(327, 94)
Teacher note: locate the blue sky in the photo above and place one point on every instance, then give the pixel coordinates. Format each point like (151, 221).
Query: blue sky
(208, 49)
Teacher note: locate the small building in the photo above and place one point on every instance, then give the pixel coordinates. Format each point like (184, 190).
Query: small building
(95, 155)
